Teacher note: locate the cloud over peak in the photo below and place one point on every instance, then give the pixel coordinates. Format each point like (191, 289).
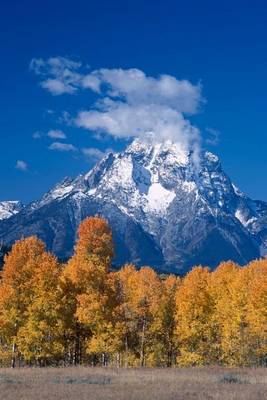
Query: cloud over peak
(130, 103)
(124, 121)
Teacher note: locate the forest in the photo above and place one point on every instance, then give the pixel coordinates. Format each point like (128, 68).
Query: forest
(84, 313)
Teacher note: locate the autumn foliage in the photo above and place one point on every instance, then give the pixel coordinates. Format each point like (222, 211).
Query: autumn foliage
(85, 313)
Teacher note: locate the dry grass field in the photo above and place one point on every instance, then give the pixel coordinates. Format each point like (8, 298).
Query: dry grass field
(82, 383)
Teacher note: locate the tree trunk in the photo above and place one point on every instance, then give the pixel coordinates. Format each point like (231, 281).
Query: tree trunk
(13, 360)
(118, 360)
(142, 350)
(126, 351)
(77, 345)
(104, 360)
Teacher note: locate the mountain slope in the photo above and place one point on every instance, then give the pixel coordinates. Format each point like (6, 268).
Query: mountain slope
(165, 209)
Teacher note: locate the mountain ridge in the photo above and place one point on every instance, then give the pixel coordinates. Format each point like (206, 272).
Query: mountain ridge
(166, 209)
(9, 208)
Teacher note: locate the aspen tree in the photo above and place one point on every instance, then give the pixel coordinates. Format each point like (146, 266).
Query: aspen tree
(87, 274)
(194, 308)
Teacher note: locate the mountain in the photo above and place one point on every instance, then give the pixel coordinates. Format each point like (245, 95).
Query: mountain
(9, 208)
(166, 208)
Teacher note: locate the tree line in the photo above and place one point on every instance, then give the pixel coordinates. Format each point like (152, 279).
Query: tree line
(84, 313)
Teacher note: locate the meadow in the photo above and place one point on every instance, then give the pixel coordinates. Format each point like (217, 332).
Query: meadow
(93, 383)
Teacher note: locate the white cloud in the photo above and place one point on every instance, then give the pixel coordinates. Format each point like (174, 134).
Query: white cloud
(136, 88)
(62, 147)
(91, 81)
(57, 87)
(130, 104)
(124, 121)
(95, 154)
(63, 75)
(21, 165)
(56, 134)
(134, 105)
(58, 74)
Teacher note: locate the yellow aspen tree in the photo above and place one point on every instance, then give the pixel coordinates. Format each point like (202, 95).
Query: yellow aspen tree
(163, 327)
(126, 326)
(145, 298)
(98, 310)
(194, 308)
(138, 295)
(17, 288)
(222, 292)
(231, 314)
(256, 316)
(40, 338)
(86, 274)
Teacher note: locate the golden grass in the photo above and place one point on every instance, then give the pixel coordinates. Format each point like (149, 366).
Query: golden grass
(86, 383)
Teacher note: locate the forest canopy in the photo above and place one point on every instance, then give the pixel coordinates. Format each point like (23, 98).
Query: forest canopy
(82, 312)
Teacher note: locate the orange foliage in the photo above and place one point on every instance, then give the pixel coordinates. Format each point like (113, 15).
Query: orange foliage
(82, 312)
(95, 238)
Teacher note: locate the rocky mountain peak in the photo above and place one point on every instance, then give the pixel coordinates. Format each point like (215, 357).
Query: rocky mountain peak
(164, 210)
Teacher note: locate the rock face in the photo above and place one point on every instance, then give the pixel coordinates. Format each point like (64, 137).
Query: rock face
(166, 210)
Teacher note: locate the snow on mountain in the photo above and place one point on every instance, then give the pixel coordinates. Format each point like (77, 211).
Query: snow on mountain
(9, 208)
(165, 209)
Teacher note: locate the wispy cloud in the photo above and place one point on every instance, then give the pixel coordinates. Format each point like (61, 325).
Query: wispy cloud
(214, 136)
(50, 112)
(58, 146)
(52, 133)
(58, 74)
(21, 165)
(65, 118)
(37, 135)
(94, 154)
(56, 134)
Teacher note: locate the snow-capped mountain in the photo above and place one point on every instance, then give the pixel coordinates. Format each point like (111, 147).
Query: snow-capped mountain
(166, 210)
(9, 208)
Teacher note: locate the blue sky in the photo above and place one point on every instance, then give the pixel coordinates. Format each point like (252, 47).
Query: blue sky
(221, 47)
